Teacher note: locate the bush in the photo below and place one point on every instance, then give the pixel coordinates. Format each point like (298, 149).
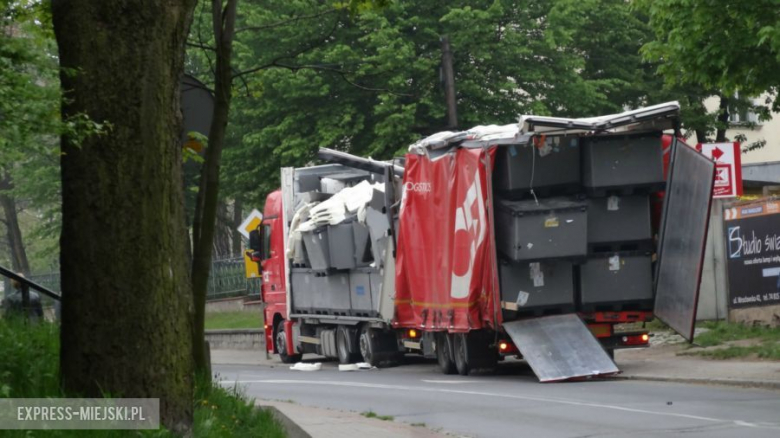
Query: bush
(30, 358)
(29, 368)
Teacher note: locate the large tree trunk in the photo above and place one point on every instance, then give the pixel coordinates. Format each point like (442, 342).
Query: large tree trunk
(126, 311)
(224, 19)
(18, 253)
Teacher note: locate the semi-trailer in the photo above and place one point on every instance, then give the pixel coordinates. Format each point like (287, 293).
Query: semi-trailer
(535, 240)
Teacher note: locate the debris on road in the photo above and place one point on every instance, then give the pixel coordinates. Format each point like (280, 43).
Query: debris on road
(300, 366)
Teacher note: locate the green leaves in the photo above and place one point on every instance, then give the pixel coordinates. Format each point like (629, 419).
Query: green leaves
(722, 46)
(368, 82)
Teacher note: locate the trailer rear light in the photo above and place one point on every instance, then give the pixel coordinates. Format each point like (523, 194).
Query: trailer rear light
(265, 327)
(506, 347)
(412, 333)
(636, 339)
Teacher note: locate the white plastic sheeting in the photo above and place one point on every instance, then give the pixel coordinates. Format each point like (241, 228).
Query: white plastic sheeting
(356, 366)
(300, 366)
(348, 202)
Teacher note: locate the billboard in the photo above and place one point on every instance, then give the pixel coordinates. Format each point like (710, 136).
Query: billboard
(753, 253)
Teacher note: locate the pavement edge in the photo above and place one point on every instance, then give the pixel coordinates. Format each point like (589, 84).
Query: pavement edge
(759, 384)
(292, 428)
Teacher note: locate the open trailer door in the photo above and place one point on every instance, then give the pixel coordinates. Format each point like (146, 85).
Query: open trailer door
(682, 238)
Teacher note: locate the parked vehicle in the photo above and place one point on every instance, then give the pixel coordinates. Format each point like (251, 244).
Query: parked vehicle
(534, 239)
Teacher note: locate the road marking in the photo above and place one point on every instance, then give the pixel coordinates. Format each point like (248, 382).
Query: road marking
(510, 396)
(450, 382)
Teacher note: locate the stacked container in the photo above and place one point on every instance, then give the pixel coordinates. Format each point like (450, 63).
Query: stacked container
(573, 223)
(541, 229)
(619, 173)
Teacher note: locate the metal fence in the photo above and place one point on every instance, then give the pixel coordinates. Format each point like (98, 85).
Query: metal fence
(226, 279)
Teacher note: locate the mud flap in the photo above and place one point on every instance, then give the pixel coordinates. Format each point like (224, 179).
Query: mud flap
(683, 238)
(560, 347)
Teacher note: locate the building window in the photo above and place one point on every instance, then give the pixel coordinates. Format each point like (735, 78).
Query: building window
(744, 113)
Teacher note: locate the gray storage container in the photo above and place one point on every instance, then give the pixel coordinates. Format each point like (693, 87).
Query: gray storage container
(317, 248)
(360, 289)
(332, 294)
(553, 228)
(302, 293)
(375, 277)
(307, 183)
(615, 280)
(341, 246)
(538, 284)
(619, 219)
(622, 161)
(554, 164)
(362, 250)
(332, 247)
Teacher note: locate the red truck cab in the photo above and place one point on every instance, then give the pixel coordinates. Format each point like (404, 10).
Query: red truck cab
(272, 267)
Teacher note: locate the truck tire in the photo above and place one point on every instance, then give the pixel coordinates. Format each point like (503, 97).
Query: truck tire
(342, 346)
(281, 345)
(444, 354)
(461, 349)
(368, 346)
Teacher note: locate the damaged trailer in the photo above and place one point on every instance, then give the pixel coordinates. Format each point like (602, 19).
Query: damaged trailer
(532, 240)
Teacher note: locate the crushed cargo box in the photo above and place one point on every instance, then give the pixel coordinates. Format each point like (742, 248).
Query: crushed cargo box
(317, 248)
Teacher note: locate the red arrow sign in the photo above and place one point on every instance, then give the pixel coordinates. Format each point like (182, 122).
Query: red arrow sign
(717, 153)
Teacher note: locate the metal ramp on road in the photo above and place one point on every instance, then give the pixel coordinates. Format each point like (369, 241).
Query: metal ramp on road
(560, 347)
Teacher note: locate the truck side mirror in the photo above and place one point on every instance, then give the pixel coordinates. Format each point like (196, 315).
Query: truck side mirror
(256, 246)
(255, 240)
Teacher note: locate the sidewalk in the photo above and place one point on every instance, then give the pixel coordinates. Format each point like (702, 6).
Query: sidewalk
(662, 363)
(328, 423)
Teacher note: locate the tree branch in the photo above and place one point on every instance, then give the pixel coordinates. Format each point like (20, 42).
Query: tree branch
(201, 46)
(313, 45)
(200, 40)
(288, 21)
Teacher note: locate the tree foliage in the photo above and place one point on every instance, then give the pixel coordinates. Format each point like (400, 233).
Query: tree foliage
(733, 47)
(309, 76)
(29, 124)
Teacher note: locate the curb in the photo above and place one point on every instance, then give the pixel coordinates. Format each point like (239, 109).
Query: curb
(292, 428)
(761, 384)
(236, 339)
(255, 331)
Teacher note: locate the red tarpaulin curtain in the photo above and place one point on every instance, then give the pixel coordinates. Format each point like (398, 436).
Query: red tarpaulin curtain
(445, 265)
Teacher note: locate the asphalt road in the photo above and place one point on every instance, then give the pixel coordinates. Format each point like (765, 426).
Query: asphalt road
(511, 402)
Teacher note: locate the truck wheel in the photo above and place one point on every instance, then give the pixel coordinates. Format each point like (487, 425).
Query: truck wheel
(460, 345)
(368, 347)
(444, 354)
(342, 346)
(281, 346)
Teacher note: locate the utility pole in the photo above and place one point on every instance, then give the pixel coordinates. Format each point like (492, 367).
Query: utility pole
(449, 83)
